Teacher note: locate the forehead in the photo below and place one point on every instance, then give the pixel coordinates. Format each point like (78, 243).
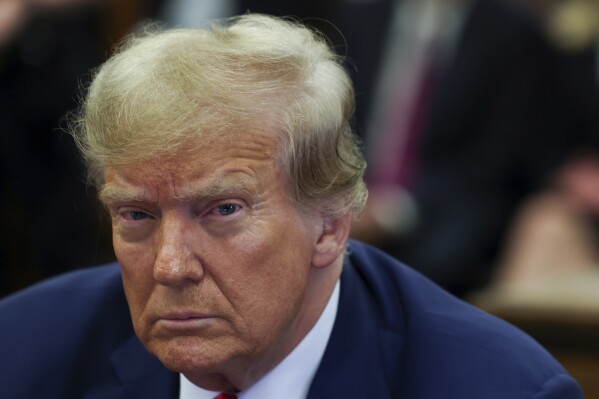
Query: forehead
(223, 163)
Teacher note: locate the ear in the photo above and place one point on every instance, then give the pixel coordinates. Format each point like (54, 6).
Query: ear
(332, 240)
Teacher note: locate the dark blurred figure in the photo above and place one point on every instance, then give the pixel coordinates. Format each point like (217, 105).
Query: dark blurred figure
(556, 230)
(49, 222)
(491, 126)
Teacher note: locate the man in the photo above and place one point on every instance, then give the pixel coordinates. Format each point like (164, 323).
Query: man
(482, 128)
(231, 174)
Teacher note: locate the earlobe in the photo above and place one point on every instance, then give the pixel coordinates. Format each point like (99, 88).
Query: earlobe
(332, 240)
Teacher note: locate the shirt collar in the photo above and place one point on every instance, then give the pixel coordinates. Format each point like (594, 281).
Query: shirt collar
(292, 377)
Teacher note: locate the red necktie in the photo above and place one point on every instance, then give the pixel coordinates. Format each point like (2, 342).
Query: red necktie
(226, 396)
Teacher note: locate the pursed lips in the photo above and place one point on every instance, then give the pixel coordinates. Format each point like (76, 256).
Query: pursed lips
(184, 315)
(185, 320)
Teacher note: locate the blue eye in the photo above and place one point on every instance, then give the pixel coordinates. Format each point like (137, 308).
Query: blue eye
(227, 209)
(137, 215)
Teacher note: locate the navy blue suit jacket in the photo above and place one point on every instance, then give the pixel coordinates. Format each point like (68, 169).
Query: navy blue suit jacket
(397, 335)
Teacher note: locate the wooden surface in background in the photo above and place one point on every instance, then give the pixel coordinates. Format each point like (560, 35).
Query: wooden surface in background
(563, 316)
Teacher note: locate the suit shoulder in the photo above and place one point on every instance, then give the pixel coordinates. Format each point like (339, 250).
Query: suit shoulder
(68, 297)
(90, 283)
(61, 329)
(444, 336)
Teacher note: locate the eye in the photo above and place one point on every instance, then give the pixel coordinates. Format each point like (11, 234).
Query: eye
(134, 215)
(226, 209)
(137, 215)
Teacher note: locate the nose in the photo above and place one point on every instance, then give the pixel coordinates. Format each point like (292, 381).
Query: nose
(176, 262)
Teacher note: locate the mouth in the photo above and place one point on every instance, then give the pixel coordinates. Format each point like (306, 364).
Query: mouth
(185, 315)
(186, 321)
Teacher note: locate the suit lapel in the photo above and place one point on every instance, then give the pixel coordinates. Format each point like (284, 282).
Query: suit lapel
(140, 375)
(361, 359)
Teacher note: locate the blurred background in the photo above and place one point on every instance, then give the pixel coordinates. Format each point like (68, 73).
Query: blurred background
(479, 121)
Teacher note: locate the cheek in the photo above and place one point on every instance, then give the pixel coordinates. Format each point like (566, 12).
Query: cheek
(135, 257)
(136, 262)
(269, 275)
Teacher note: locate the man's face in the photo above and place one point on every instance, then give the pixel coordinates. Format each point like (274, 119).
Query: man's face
(216, 258)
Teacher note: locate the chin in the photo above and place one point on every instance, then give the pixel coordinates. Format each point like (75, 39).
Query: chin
(205, 369)
(189, 355)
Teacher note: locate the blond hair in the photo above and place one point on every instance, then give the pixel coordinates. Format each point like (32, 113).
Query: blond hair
(163, 90)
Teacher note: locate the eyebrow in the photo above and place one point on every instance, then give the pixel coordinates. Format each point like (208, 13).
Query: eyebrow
(223, 186)
(112, 193)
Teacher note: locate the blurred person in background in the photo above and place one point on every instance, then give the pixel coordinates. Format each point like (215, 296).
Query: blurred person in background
(555, 232)
(49, 223)
(470, 117)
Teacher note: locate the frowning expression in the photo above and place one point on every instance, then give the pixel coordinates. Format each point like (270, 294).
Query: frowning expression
(215, 257)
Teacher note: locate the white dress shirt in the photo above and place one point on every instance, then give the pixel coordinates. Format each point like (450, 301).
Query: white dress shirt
(291, 378)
